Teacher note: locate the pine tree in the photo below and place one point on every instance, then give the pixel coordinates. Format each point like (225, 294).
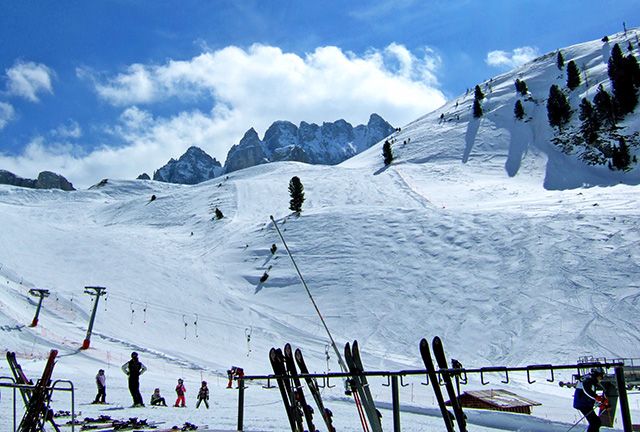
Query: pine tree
(605, 108)
(478, 95)
(386, 152)
(632, 67)
(560, 60)
(296, 191)
(518, 110)
(573, 75)
(477, 108)
(523, 88)
(558, 108)
(590, 122)
(621, 159)
(622, 74)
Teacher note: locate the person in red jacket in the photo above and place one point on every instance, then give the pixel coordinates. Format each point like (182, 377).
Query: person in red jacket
(180, 391)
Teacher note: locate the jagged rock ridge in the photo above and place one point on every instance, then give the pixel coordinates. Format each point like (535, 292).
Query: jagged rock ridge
(328, 144)
(195, 166)
(45, 180)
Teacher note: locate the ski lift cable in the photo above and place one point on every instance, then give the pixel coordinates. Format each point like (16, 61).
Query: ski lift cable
(172, 311)
(333, 343)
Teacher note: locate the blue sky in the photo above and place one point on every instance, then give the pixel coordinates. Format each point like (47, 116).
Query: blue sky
(95, 89)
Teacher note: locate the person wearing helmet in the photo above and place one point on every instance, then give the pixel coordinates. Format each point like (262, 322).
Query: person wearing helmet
(180, 391)
(585, 398)
(133, 369)
(203, 395)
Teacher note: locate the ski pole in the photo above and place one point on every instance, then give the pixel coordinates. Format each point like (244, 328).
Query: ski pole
(343, 366)
(580, 419)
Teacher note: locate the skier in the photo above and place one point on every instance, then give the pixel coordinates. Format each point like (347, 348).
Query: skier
(133, 369)
(157, 399)
(180, 391)
(102, 388)
(203, 395)
(234, 372)
(586, 400)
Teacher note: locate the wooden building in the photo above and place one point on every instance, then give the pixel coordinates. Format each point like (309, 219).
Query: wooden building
(496, 400)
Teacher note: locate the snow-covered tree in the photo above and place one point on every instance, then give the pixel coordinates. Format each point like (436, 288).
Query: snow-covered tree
(558, 108)
(590, 122)
(296, 191)
(560, 60)
(518, 110)
(478, 95)
(573, 75)
(387, 153)
(477, 108)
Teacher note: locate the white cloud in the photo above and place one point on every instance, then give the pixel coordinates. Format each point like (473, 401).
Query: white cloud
(248, 88)
(7, 113)
(517, 57)
(27, 79)
(266, 84)
(71, 129)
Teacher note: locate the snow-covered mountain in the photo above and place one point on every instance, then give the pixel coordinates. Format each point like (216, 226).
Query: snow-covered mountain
(194, 166)
(479, 231)
(328, 144)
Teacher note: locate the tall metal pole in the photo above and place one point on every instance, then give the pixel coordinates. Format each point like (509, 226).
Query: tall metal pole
(96, 291)
(396, 403)
(240, 404)
(624, 400)
(343, 366)
(42, 293)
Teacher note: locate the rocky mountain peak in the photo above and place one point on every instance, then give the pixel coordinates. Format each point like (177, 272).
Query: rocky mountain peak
(194, 166)
(329, 144)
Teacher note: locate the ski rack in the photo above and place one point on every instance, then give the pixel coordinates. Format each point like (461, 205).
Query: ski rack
(30, 387)
(395, 375)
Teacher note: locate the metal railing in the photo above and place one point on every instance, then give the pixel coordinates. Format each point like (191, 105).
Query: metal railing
(54, 386)
(461, 373)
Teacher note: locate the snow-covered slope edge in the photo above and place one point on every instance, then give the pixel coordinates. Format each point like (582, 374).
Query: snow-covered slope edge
(515, 147)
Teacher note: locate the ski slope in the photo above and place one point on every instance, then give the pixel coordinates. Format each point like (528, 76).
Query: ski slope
(477, 232)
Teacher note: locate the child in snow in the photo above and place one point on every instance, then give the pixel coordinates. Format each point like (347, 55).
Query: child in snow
(180, 391)
(102, 388)
(203, 395)
(157, 399)
(234, 372)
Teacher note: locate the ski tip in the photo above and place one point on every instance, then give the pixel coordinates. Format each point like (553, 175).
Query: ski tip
(436, 341)
(423, 343)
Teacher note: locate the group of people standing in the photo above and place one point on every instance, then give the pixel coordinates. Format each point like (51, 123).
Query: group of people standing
(133, 369)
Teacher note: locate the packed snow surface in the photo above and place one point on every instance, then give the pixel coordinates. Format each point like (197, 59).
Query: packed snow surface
(478, 232)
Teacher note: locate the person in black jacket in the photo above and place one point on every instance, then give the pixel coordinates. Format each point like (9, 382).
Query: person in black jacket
(133, 369)
(586, 400)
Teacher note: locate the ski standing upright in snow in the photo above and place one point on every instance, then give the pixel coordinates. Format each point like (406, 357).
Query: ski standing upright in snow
(441, 359)
(315, 390)
(433, 377)
(352, 357)
(298, 393)
(277, 363)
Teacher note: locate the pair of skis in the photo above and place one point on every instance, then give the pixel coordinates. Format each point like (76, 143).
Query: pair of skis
(36, 399)
(441, 359)
(360, 389)
(284, 367)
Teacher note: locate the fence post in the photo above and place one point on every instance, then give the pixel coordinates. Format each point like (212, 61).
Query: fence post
(624, 401)
(396, 403)
(240, 404)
